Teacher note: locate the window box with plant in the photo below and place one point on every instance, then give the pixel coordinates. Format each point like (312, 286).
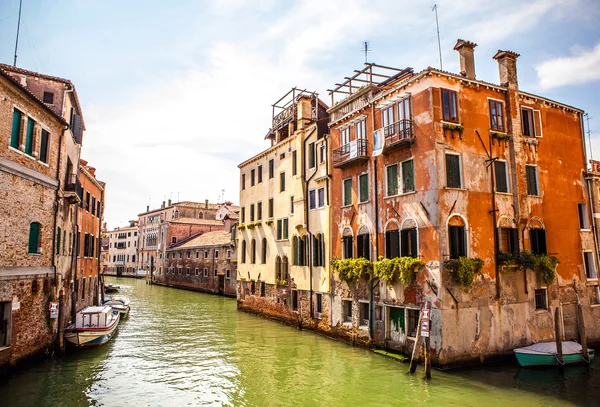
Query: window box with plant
(496, 135)
(241, 227)
(454, 127)
(463, 270)
(269, 222)
(403, 268)
(351, 269)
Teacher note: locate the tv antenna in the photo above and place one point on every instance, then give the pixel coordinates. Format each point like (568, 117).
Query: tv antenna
(589, 133)
(222, 196)
(437, 24)
(18, 29)
(366, 50)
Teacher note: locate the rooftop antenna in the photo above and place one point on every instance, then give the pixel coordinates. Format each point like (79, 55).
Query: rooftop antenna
(222, 196)
(18, 29)
(589, 133)
(366, 50)
(437, 24)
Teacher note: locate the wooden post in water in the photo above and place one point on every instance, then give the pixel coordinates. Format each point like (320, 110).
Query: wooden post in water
(416, 348)
(581, 329)
(559, 353)
(427, 346)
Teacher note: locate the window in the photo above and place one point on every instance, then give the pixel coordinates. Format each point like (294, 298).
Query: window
(271, 168)
(44, 147)
(540, 299)
(363, 244)
(538, 241)
(312, 199)
(457, 237)
(294, 163)
(291, 204)
(252, 177)
(227, 274)
(322, 153)
(453, 179)
(187, 271)
(259, 174)
(321, 197)
(392, 180)
(318, 247)
(15, 138)
(215, 273)
(205, 272)
(188, 254)
(263, 289)
(345, 136)
(29, 136)
(264, 251)
(412, 322)
(295, 300)
(251, 212)
(408, 176)
(49, 98)
(590, 269)
(531, 122)
(378, 313)
(243, 251)
(87, 201)
(501, 176)
(509, 240)
(259, 211)
(408, 240)
(206, 254)
(595, 296)
(253, 251)
(364, 313)
(312, 158)
(363, 188)
(58, 236)
(319, 303)
(299, 245)
(282, 229)
(584, 221)
(196, 271)
(243, 181)
(243, 216)
(93, 209)
(281, 181)
(347, 245)
(347, 310)
(496, 115)
(392, 242)
(387, 116)
(34, 238)
(347, 198)
(173, 239)
(449, 106)
(532, 179)
(361, 130)
(270, 214)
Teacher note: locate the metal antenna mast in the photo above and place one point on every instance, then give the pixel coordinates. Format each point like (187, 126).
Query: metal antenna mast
(18, 29)
(366, 50)
(589, 133)
(437, 24)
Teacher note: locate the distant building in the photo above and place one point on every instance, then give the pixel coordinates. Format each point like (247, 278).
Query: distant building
(122, 251)
(203, 262)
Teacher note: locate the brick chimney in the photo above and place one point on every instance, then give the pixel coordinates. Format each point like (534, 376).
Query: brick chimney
(206, 203)
(467, 60)
(507, 65)
(169, 203)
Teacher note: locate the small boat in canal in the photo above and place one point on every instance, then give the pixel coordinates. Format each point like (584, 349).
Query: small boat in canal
(544, 354)
(109, 288)
(94, 326)
(119, 303)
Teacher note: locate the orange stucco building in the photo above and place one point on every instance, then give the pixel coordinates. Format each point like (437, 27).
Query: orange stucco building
(439, 166)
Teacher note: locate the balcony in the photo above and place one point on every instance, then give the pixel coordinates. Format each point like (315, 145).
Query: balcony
(398, 134)
(71, 189)
(350, 153)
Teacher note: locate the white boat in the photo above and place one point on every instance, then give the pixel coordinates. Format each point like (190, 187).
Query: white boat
(94, 326)
(544, 354)
(119, 303)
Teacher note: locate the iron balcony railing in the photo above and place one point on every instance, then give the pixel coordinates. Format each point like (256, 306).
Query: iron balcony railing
(355, 150)
(398, 133)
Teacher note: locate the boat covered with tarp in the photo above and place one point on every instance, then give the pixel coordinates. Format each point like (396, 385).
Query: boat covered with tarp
(94, 326)
(545, 354)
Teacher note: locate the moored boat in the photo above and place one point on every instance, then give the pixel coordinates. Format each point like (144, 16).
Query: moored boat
(109, 288)
(119, 303)
(94, 326)
(544, 354)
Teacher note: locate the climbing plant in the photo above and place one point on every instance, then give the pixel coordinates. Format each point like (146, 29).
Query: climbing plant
(463, 269)
(541, 263)
(404, 268)
(351, 269)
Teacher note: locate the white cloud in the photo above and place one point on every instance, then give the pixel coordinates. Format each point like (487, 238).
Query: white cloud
(582, 67)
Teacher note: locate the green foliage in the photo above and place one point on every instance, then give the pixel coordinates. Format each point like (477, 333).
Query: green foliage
(351, 269)
(463, 269)
(508, 259)
(500, 136)
(541, 263)
(269, 222)
(241, 226)
(404, 268)
(281, 282)
(253, 225)
(459, 127)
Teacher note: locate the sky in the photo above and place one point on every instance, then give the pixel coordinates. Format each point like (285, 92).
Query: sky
(176, 94)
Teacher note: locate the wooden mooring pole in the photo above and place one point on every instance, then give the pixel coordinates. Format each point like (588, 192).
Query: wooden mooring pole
(427, 345)
(416, 348)
(557, 338)
(581, 329)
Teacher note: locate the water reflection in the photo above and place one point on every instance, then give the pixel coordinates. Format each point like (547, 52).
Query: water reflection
(184, 348)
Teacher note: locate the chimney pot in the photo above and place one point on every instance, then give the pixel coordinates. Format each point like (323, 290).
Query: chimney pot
(206, 203)
(467, 60)
(507, 66)
(147, 208)
(169, 203)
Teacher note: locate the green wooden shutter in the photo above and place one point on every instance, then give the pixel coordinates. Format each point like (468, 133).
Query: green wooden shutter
(34, 237)
(364, 187)
(453, 171)
(16, 129)
(322, 251)
(408, 176)
(392, 180)
(347, 192)
(29, 137)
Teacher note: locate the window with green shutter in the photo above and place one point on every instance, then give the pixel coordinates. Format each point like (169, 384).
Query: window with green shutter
(501, 176)
(270, 207)
(311, 155)
(363, 188)
(29, 136)
(532, 184)
(348, 192)
(16, 129)
(392, 180)
(453, 171)
(34, 237)
(408, 237)
(408, 176)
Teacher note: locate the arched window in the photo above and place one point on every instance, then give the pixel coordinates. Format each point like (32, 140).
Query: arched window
(201, 215)
(392, 241)
(278, 268)
(243, 251)
(284, 268)
(457, 237)
(318, 245)
(34, 237)
(363, 243)
(537, 236)
(264, 251)
(253, 252)
(408, 239)
(347, 244)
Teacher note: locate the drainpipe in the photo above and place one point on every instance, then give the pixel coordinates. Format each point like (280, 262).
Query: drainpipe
(376, 199)
(98, 250)
(56, 195)
(306, 218)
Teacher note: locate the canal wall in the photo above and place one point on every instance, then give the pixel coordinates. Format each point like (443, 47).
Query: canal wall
(195, 288)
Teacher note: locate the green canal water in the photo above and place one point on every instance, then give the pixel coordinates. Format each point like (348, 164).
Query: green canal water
(180, 348)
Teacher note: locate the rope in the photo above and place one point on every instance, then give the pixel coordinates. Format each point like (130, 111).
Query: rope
(558, 360)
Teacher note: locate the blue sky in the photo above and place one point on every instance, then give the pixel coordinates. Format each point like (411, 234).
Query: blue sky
(176, 94)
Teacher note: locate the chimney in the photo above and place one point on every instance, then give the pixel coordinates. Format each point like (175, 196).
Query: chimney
(467, 60)
(92, 171)
(147, 208)
(206, 203)
(169, 203)
(162, 206)
(507, 66)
